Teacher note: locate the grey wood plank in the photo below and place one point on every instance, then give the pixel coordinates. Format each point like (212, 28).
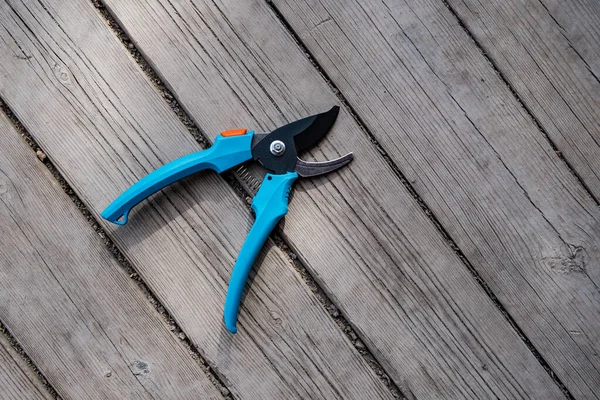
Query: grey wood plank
(17, 380)
(85, 324)
(432, 100)
(548, 50)
(104, 126)
(579, 21)
(359, 231)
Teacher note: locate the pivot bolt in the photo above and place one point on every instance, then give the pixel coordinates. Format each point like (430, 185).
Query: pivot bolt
(277, 148)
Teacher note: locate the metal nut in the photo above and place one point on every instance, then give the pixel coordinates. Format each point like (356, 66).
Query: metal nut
(277, 148)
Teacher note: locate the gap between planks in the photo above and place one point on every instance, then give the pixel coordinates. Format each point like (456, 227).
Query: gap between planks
(418, 198)
(33, 369)
(119, 257)
(516, 95)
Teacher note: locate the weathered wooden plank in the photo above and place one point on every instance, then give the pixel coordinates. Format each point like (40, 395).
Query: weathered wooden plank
(435, 104)
(359, 231)
(579, 22)
(104, 126)
(17, 380)
(548, 50)
(67, 302)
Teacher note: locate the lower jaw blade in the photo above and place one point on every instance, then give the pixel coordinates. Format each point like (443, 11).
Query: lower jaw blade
(306, 168)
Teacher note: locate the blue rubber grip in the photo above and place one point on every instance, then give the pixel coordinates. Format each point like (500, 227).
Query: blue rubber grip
(270, 204)
(225, 153)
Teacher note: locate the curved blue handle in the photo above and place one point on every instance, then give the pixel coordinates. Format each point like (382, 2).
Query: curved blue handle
(226, 152)
(270, 204)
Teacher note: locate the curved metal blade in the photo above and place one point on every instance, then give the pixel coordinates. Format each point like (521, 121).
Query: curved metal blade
(305, 168)
(314, 128)
(307, 131)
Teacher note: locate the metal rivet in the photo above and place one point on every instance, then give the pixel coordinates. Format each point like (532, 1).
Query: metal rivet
(277, 148)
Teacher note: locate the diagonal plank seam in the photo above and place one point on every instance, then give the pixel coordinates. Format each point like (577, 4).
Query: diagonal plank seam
(418, 198)
(572, 247)
(514, 92)
(235, 180)
(174, 327)
(562, 32)
(28, 361)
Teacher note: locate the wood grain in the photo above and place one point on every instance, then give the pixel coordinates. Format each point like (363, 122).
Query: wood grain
(67, 302)
(359, 231)
(548, 50)
(431, 99)
(104, 126)
(17, 380)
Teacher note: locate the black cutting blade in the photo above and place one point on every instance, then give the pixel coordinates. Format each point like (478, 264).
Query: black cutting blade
(297, 136)
(310, 130)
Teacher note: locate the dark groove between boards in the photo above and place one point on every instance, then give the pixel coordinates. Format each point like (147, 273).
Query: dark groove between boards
(237, 182)
(417, 197)
(119, 257)
(514, 92)
(39, 375)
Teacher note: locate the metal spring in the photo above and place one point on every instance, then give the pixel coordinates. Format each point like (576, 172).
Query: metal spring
(252, 183)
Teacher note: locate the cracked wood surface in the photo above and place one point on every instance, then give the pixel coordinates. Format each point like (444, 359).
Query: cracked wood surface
(104, 126)
(435, 104)
(358, 231)
(17, 380)
(67, 302)
(549, 51)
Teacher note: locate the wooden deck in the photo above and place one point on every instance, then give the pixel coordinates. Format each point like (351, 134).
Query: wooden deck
(458, 255)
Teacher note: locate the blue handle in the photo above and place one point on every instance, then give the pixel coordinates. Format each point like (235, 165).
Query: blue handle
(226, 152)
(270, 204)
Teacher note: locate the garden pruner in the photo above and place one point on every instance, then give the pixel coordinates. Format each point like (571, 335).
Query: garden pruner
(277, 151)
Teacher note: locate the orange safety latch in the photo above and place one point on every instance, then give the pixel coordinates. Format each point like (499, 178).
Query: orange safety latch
(234, 132)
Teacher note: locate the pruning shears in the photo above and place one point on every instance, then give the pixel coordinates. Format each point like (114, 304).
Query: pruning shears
(277, 151)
